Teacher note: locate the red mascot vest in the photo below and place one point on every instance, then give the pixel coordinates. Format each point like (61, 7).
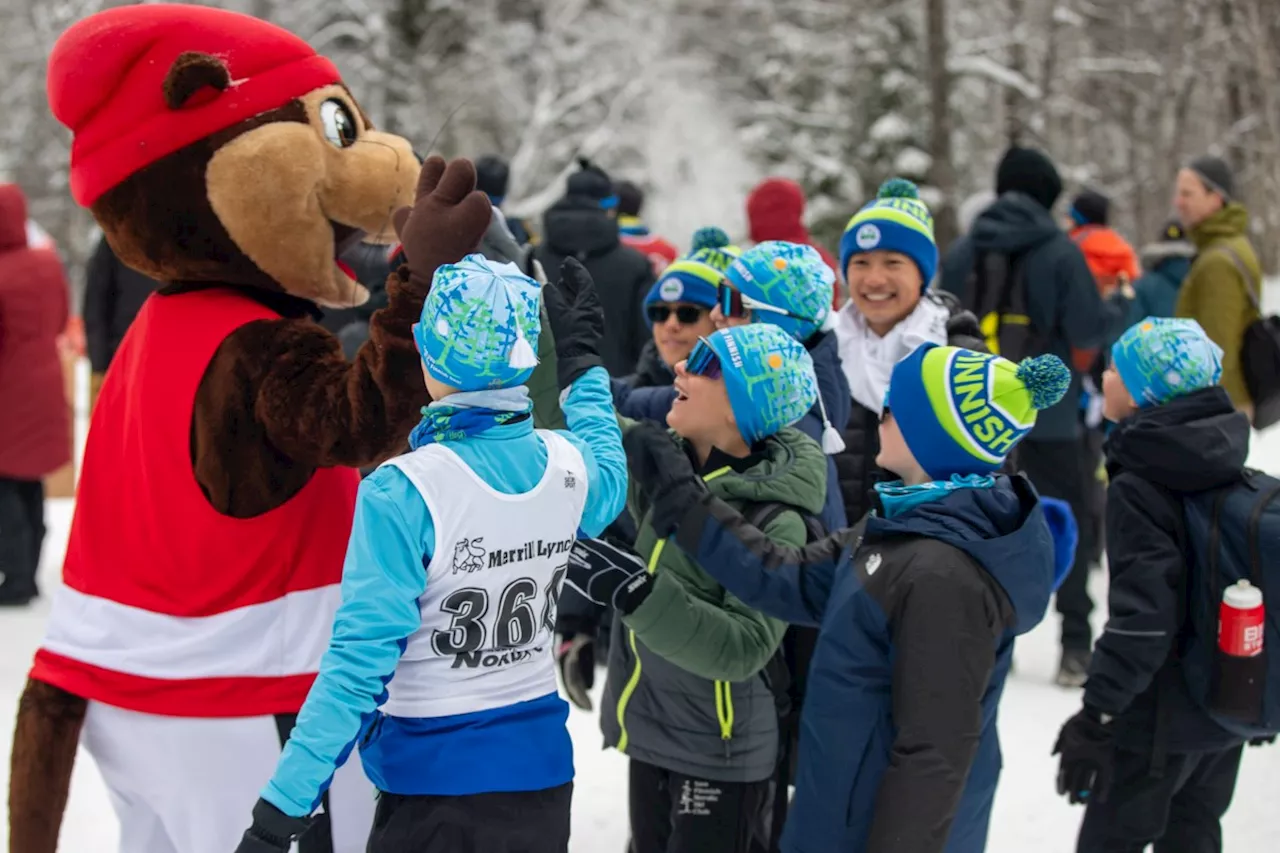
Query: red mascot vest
(170, 607)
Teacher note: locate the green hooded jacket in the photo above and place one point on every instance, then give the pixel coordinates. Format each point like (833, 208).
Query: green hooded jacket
(685, 689)
(1214, 294)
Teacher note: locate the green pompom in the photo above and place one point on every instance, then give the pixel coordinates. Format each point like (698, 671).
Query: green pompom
(710, 237)
(1046, 377)
(898, 188)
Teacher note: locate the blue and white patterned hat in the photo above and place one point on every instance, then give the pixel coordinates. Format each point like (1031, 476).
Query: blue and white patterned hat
(789, 276)
(768, 375)
(479, 325)
(1161, 358)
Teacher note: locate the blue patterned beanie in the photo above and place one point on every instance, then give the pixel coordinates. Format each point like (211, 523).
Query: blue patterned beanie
(768, 375)
(1162, 358)
(897, 221)
(479, 326)
(789, 276)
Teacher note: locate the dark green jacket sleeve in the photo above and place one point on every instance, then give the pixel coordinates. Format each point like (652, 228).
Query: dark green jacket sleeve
(723, 641)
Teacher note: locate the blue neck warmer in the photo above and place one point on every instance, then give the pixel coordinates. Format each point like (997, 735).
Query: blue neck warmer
(470, 413)
(898, 498)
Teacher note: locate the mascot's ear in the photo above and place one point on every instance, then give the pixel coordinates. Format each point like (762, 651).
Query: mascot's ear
(194, 79)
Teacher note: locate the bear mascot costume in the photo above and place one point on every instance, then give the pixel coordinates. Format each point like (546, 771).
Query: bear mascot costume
(222, 156)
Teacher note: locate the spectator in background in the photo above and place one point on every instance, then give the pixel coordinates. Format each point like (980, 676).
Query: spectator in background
(1224, 286)
(583, 224)
(371, 264)
(493, 174)
(1165, 264)
(35, 432)
(635, 233)
(775, 211)
(113, 296)
(1110, 257)
(1015, 254)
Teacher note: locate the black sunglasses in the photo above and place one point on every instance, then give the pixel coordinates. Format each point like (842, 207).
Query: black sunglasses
(686, 315)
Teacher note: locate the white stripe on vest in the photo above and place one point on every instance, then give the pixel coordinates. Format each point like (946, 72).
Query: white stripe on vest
(489, 609)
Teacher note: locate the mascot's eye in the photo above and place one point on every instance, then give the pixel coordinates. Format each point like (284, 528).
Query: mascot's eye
(338, 123)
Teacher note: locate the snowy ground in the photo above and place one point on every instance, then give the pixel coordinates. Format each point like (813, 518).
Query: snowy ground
(1028, 816)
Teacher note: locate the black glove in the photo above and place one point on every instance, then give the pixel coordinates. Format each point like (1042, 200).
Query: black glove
(664, 474)
(598, 569)
(964, 330)
(1262, 741)
(576, 659)
(272, 831)
(1085, 743)
(577, 322)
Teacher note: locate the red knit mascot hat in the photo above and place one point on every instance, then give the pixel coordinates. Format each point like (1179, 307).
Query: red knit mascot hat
(106, 83)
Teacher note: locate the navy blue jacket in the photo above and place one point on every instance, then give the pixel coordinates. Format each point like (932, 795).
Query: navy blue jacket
(918, 614)
(834, 389)
(1062, 298)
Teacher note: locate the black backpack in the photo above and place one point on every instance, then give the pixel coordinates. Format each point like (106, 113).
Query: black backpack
(1234, 534)
(996, 293)
(1259, 351)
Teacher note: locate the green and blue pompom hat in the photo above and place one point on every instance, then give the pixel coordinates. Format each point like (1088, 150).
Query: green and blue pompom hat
(789, 276)
(696, 277)
(896, 221)
(768, 376)
(1161, 358)
(962, 412)
(479, 325)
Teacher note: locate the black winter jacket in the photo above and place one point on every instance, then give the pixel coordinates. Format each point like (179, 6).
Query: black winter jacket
(1154, 458)
(113, 295)
(577, 228)
(1062, 297)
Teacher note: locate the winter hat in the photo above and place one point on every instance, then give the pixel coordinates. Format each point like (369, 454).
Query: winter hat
(768, 375)
(1216, 175)
(1091, 208)
(696, 277)
(1172, 232)
(961, 412)
(106, 83)
(492, 175)
(896, 220)
(787, 276)
(1031, 172)
(592, 182)
(479, 326)
(1162, 358)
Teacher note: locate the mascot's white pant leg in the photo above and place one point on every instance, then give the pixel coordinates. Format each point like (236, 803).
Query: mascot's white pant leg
(188, 785)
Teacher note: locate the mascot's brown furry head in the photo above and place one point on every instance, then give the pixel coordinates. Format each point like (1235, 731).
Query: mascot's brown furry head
(213, 105)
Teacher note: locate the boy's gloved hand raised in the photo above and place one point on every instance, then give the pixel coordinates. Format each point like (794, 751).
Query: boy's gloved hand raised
(598, 569)
(1085, 743)
(272, 831)
(664, 474)
(577, 321)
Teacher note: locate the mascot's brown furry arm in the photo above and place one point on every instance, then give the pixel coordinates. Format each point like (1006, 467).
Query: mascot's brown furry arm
(222, 156)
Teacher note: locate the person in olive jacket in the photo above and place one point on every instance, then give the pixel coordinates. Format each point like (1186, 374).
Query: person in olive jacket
(918, 605)
(1223, 288)
(686, 697)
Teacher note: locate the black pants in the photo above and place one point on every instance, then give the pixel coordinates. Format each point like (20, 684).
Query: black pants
(674, 813)
(21, 538)
(511, 822)
(1179, 812)
(1060, 469)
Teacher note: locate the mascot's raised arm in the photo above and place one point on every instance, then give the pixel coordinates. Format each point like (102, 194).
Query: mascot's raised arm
(223, 157)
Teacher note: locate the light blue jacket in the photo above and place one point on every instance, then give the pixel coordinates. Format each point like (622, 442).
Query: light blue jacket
(522, 747)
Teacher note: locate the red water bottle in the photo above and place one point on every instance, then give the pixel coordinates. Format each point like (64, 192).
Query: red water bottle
(1241, 621)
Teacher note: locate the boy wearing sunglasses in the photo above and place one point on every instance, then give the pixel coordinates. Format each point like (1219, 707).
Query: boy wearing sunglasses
(917, 605)
(686, 698)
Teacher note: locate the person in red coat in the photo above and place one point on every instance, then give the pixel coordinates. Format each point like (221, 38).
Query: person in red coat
(35, 431)
(775, 211)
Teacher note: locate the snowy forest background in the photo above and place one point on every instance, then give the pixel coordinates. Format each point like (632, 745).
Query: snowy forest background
(698, 99)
